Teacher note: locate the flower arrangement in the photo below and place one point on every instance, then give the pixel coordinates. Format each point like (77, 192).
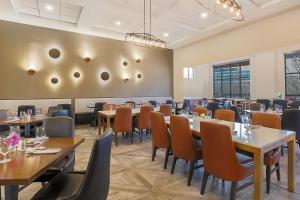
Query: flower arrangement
(12, 140)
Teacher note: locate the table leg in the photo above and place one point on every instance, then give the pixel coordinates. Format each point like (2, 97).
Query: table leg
(291, 165)
(258, 175)
(107, 122)
(11, 192)
(27, 130)
(99, 123)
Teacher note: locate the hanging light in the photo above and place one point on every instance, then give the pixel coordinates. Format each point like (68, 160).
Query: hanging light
(145, 39)
(230, 9)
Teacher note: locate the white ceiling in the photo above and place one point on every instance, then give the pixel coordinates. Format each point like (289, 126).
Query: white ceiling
(181, 19)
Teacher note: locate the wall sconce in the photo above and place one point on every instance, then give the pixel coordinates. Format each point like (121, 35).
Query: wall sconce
(138, 60)
(54, 80)
(139, 76)
(125, 80)
(87, 59)
(125, 63)
(31, 72)
(76, 74)
(54, 53)
(105, 76)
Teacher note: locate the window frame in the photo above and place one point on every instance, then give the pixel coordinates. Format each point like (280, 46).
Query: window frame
(240, 64)
(190, 73)
(291, 73)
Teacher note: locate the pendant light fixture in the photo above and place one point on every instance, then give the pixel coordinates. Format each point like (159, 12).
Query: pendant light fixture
(145, 39)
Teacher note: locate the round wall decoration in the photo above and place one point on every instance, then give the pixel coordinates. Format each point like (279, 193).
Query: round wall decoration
(54, 53)
(76, 74)
(105, 76)
(54, 80)
(125, 63)
(139, 76)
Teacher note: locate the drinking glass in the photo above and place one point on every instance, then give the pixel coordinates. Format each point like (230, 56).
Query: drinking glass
(43, 133)
(22, 115)
(4, 150)
(29, 112)
(38, 135)
(279, 108)
(262, 108)
(209, 114)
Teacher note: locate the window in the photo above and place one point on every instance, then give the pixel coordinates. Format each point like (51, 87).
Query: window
(292, 74)
(232, 80)
(188, 73)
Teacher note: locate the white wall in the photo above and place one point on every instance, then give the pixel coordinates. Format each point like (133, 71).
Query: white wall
(263, 42)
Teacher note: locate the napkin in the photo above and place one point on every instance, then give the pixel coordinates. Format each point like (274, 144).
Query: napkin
(43, 151)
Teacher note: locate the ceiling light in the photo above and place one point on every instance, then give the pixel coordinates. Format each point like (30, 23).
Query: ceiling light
(49, 7)
(118, 23)
(166, 34)
(204, 15)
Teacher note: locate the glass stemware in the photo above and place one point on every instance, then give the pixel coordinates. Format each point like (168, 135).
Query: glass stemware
(22, 115)
(4, 150)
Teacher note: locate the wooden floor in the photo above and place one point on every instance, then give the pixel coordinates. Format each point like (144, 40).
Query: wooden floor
(135, 177)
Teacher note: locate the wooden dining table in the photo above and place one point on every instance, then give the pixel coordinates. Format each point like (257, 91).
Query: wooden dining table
(25, 168)
(258, 141)
(109, 114)
(27, 122)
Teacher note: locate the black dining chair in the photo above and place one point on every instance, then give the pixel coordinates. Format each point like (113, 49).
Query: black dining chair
(213, 106)
(265, 102)
(67, 107)
(238, 117)
(53, 109)
(25, 108)
(98, 107)
(60, 113)
(290, 121)
(295, 104)
(171, 102)
(59, 127)
(281, 102)
(132, 102)
(92, 184)
(153, 103)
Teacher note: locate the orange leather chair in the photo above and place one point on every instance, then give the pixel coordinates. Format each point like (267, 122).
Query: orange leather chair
(271, 158)
(220, 158)
(144, 121)
(200, 110)
(129, 105)
(160, 136)
(227, 115)
(123, 123)
(109, 106)
(183, 144)
(166, 109)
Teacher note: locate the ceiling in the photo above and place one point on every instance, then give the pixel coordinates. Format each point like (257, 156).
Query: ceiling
(179, 22)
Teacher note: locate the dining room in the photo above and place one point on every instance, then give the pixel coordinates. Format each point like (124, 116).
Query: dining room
(155, 100)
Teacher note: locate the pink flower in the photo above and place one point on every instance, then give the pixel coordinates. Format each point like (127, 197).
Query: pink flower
(13, 139)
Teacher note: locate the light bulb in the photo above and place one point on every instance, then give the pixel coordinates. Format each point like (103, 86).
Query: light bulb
(237, 13)
(218, 1)
(231, 9)
(225, 6)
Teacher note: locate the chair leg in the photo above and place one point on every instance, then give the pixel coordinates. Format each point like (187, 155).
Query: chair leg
(167, 157)
(268, 178)
(173, 164)
(131, 136)
(204, 181)
(116, 138)
(233, 189)
(153, 152)
(140, 133)
(277, 171)
(191, 170)
(282, 152)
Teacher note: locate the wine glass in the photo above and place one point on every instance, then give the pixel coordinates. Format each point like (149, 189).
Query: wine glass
(22, 115)
(262, 108)
(38, 135)
(43, 133)
(209, 114)
(4, 150)
(29, 112)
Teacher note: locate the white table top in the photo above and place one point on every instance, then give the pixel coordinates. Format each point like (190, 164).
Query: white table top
(112, 113)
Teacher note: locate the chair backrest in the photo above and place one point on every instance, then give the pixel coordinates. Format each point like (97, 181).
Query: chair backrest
(183, 144)
(3, 114)
(160, 134)
(67, 107)
(238, 117)
(290, 121)
(123, 120)
(227, 104)
(144, 117)
(200, 110)
(213, 106)
(266, 120)
(25, 108)
(282, 102)
(166, 109)
(109, 106)
(95, 185)
(219, 155)
(255, 106)
(60, 113)
(153, 103)
(129, 105)
(98, 107)
(171, 102)
(265, 102)
(227, 115)
(59, 127)
(132, 103)
(53, 109)
(295, 104)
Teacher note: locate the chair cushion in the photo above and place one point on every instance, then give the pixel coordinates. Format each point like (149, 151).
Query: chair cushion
(63, 186)
(272, 157)
(244, 159)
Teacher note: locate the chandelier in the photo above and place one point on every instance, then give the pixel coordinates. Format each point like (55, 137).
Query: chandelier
(145, 39)
(230, 9)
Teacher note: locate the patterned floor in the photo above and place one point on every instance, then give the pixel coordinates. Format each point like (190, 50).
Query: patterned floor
(134, 176)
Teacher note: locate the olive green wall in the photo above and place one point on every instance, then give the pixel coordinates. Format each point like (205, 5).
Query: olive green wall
(23, 47)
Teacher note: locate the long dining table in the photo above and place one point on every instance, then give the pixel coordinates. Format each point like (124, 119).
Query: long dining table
(109, 114)
(25, 168)
(257, 141)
